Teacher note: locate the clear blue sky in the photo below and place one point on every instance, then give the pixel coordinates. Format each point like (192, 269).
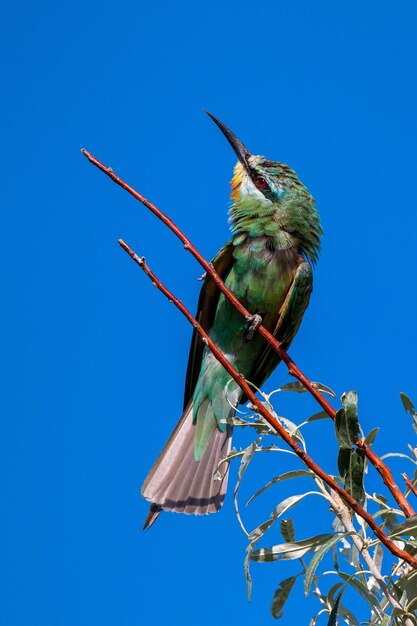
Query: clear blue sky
(93, 357)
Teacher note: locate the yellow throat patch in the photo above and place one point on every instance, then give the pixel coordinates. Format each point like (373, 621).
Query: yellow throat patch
(236, 181)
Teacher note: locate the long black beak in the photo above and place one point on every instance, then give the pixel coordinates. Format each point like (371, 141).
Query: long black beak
(242, 152)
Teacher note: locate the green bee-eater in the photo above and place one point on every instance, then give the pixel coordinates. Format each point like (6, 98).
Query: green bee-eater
(267, 265)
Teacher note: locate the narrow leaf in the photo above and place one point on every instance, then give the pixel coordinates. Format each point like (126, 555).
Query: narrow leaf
(324, 389)
(407, 403)
(298, 387)
(348, 616)
(354, 480)
(291, 428)
(408, 527)
(280, 478)
(370, 437)
(346, 422)
(246, 569)
(287, 529)
(291, 501)
(351, 467)
(409, 407)
(399, 612)
(333, 613)
(386, 620)
(321, 415)
(244, 463)
(283, 506)
(293, 386)
(363, 591)
(388, 517)
(343, 460)
(289, 550)
(259, 425)
(400, 455)
(332, 591)
(312, 566)
(281, 596)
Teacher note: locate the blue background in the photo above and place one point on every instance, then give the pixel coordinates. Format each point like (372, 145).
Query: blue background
(93, 357)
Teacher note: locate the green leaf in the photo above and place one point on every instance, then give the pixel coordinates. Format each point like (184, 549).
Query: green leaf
(312, 566)
(348, 616)
(370, 437)
(399, 612)
(409, 407)
(321, 415)
(408, 527)
(389, 518)
(289, 550)
(408, 585)
(244, 463)
(333, 613)
(346, 422)
(287, 529)
(407, 403)
(363, 591)
(293, 386)
(299, 388)
(292, 429)
(399, 455)
(332, 591)
(281, 596)
(351, 465)
(280, 478)
(354, 480)
(291, 501)
(246, 569)
(412, 607)
(259, 425)
(283, 506)
(385, 621)
(343, 461)
(324, 389)
(259, 531)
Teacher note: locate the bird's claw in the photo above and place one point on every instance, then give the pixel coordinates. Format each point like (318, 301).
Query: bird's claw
(252, 324)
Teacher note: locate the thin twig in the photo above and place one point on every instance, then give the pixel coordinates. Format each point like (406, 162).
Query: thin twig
(409, 484)
(240, 380)
(293, 369)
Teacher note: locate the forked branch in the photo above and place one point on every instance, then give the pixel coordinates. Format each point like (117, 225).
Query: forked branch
(293, 369)
(272, 421)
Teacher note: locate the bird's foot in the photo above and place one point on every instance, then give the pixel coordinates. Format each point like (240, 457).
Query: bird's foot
(252, 324)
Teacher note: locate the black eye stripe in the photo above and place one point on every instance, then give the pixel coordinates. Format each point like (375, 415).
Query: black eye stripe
(259, 181)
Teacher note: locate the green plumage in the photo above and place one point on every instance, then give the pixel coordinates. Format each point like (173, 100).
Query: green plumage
(267, 265)
(276, 229)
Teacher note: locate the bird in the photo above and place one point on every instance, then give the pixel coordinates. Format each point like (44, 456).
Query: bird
(267, 264)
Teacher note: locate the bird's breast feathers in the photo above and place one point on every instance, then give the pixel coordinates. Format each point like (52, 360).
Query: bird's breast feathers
(262, 273)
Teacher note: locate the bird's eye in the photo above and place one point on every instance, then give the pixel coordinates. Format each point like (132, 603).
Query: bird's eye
(260, 182)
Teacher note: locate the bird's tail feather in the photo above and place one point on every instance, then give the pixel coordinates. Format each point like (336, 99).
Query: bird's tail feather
(177, 482)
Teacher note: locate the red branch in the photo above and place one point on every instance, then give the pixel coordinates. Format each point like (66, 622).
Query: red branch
(241, 381)
(293, 369)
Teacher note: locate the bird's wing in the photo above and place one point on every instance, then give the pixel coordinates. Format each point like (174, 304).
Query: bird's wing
(289, 320)
(206, 310)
